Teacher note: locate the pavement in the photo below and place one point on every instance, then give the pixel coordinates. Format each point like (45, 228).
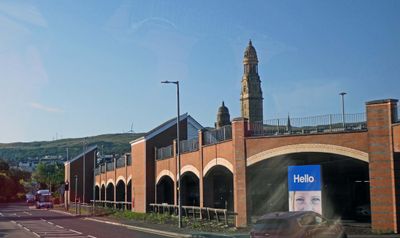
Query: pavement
(20, 221)
(172, 231)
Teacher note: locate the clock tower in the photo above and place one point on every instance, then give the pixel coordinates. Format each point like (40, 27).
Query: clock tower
(251, 95)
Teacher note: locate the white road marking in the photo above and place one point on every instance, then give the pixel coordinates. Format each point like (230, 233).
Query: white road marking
(36, 234)
(51, 223)
(27, 213)
(27, 229)
(77, 232)
(89, 236)
(14, 222)
(1, 214)
(59, 226)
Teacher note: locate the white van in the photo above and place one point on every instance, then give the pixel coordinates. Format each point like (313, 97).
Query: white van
(43, 199)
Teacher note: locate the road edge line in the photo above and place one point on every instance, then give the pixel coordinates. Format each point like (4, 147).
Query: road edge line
(62, 212)
(142, 229)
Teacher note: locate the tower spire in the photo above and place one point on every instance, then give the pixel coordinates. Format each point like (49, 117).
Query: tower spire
(251, 95)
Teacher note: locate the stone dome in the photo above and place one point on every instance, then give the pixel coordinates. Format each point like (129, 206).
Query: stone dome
(250, 53)
(223, 116)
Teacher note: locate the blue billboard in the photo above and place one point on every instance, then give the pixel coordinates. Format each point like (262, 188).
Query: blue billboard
(304, 184)
(304, 178)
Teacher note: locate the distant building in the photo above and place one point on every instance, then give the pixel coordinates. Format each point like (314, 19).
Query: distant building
(223, 117)
(81, 166)
(28, 166)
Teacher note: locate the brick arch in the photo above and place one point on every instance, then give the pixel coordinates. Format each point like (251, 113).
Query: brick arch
(129, 179)
(97, 184)
(110, 181)
(120, 178)
(300, 148)
(103, 183)
(190, 168)
(215, 162)
(165, 173)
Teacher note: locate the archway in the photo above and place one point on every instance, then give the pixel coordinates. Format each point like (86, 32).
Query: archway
(110, 194)
(103, 193)
(96, 193)
(120, 194)
(218, 188)
(345, 183)
(165, 190)
(190, 192)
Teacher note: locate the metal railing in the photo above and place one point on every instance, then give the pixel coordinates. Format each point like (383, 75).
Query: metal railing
(120, 205)
(164, 152)
(189, 145)
(217, 135)
(96, 171)
(121, 162)
(110, 166)
(310, 125)
(220, 215)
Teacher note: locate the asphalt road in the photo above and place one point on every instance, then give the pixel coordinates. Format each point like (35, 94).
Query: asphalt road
(21, 221)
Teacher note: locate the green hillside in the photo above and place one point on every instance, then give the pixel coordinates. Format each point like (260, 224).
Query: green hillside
(110, 143)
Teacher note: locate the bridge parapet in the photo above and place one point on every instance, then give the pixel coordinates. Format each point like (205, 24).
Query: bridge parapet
(309, 125)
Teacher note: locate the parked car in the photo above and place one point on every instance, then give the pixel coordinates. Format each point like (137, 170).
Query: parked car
(304, 224)
(30, 198)
(43, 199)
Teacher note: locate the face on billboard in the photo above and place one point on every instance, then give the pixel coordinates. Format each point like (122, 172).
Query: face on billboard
(305, 201)
(305, 188)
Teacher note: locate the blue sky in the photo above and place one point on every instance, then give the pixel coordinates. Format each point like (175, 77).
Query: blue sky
(82, 68)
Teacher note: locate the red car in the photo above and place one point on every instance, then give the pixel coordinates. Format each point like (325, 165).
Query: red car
(304, 224)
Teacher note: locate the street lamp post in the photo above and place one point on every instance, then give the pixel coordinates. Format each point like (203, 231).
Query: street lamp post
(84, 170)
(178, 151)
(343, 116)
(76, 193)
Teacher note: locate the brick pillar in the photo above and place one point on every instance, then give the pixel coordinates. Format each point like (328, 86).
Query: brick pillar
(139, 175)
(239, 126)
(380, 116)
(201, 179)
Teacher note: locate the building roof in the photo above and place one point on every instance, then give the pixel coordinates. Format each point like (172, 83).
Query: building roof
(164, 126)
(88, 150)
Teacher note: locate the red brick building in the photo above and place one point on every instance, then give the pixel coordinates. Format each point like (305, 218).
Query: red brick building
(243, 166)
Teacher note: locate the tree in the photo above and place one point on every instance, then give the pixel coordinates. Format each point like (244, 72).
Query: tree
(4, 167)
(6, 187)
(11, 182)
(49, 175)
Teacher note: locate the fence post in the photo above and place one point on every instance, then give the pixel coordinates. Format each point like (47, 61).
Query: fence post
(277, 126)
